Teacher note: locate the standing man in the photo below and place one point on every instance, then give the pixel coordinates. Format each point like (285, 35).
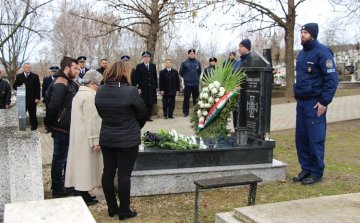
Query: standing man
(58, 115)
(126, 59)
(47, 81)
(190, 71)
(83, 68)
(231, 60)
(146, 78)
(169, 87)
(5, 93)
(207, 71)
(316, 83)
(102, 68)
(32, 83)
(244, 50)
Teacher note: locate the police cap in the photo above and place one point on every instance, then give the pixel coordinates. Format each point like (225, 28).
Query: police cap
(146, 54)
(125, 57)
(212, 59)
(191, 50)
(81, 58)
(54, 68)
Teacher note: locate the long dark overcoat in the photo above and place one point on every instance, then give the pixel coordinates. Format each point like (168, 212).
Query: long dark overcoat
(148, 83)
(169, 82)
(32, 83)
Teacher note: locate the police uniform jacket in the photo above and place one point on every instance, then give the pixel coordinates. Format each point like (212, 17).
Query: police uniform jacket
(59, 97)
(86, 70)
(148, 83)
(123, 114)
(207, 71)
(169, 81)
(5, 93)
(316, 74)
(46, 83)
(32, 83)
(190, 71)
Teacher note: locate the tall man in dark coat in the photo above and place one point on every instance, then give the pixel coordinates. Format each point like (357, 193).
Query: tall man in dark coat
(190, 71)
(5, 93)
(126, 59)
(146, 78)
(169, 87)
(32, 83)
(47, 81)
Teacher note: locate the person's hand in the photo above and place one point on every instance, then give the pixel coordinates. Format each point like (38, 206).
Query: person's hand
(177, 92)
(161, 92)
(22, 85)
(37, 101)
(96, 148)
(45, 128)
(321, 109)
(7, 106)
(139, 90)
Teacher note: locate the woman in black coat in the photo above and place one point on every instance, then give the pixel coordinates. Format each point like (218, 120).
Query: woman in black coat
(123, 114)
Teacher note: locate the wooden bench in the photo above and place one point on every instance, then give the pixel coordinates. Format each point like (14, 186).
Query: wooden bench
(246, 179)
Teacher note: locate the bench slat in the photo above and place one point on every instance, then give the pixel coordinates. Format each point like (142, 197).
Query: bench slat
(228, 181)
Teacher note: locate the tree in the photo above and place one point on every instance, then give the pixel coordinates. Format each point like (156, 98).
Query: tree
(270, 14)
(147, 18)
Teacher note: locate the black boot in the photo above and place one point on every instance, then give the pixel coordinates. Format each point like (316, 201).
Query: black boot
(128, 214)
(311, 180)
(301, 176)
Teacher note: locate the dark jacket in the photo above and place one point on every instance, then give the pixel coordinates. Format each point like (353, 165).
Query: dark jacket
(148, 83)
(46, 83)
(242, 59)
(86, 70)
(207, 71)
(123, 114)
(232, 62)
(32, 84)
(5, 93)
(133, 77)
(169, 82)
(100, 70)
(59, 97)
(316, 73)
(190, 71)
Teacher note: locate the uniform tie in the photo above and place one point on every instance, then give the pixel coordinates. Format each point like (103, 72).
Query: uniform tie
(147, 67)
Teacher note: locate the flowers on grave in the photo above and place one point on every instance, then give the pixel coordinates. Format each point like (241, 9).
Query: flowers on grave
(172, 140)
(216, 101)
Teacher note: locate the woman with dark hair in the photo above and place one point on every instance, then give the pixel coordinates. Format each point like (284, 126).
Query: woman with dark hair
(123, 114)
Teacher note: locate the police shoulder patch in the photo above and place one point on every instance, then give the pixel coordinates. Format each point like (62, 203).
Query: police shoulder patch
(329, 64)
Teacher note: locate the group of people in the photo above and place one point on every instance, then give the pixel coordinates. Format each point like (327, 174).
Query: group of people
(88, 111)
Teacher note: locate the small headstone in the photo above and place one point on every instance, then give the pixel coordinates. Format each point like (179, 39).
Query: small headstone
(21, 105)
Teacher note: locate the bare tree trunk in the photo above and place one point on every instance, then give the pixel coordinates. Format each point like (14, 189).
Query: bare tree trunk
(289, 49)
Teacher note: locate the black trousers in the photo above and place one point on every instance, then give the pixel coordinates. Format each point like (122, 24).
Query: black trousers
(190, 90)
(149, 111)
(32, 115)
(123, 160)
(168, 105)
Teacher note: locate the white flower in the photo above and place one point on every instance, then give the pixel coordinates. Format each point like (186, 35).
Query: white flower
(222, 89)
(201, 105)
(211, 86)
(174, 133)
(205, 113)
(216, 100)
(211, 99)
(221, 93)
(205, 95)
(205, 89)
(193, 139)
(201, 95)
(201, 119)
(207, 105)
(214, 91)
(199, 112)
(217, 84)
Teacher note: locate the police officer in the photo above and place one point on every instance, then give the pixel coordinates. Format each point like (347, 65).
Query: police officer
(231, 60)
(169, 84)
(190, 71)
(83, 68)
(47, 81)
(126, 59)
(316, 83)
(146, 77)
(5, 93)
(207, 70)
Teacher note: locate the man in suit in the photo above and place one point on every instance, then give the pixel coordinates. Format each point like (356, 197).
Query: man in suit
(146, 78)
(32, 83)
(5, 93)
(47, 81)
(126, 59)
(169, 84)
(83, 68)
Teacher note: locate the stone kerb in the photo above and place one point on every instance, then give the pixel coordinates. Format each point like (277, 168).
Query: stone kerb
(20, 162)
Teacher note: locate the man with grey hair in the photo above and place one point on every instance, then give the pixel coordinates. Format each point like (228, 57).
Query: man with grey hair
(93, 76)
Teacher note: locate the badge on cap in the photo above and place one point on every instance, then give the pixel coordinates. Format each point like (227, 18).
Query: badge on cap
(329, 64)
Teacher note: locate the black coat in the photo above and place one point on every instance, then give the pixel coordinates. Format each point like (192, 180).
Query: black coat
(133, 77)
(147, 82)
(46, 83)
(5, 93)
(169, 82)
(32, 83)
(59, 97)
(207, 71)
(86, 70)
(123, 114)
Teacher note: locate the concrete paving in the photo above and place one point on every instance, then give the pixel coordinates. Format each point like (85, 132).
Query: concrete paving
(283, 116)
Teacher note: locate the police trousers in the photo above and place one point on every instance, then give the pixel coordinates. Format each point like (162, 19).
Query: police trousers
(310, 137)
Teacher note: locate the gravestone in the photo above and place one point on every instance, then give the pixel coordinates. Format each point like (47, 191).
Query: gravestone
(254, 110)
(21, 105)
(20, 162)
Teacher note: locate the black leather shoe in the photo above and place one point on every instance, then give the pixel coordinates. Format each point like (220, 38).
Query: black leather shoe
(113, 211)
(149, 120)
(128, 214)
(92, 202)
(165, 117)
(92, 197)
(311, 180)
(171, 117)
(66, 192)
(301, 176)
(185, 115)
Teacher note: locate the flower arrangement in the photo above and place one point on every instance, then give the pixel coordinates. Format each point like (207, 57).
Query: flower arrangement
(216, 101)
(173, 140)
